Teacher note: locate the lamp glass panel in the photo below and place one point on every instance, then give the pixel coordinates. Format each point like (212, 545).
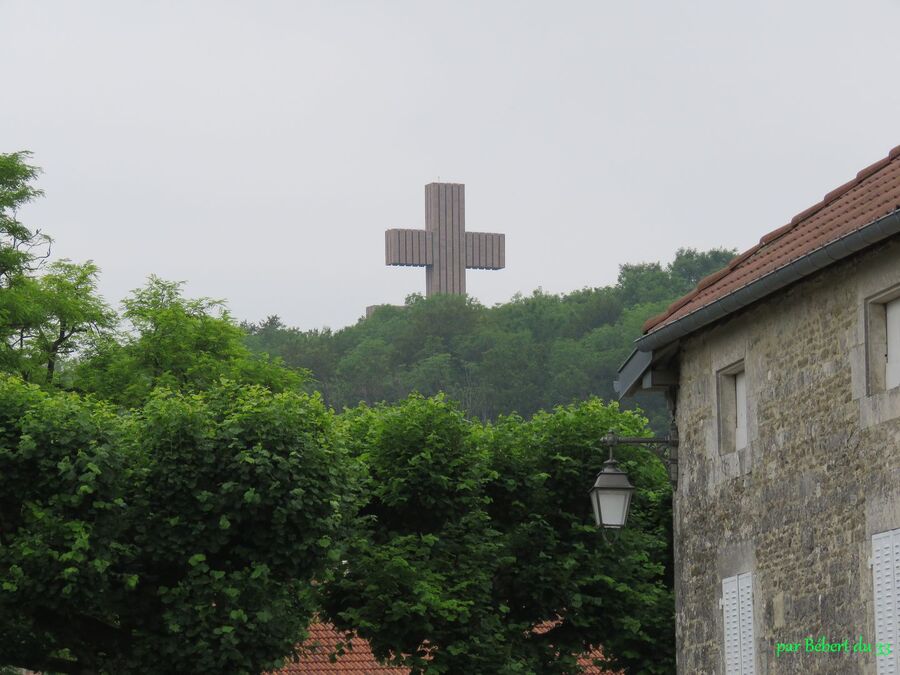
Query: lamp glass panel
(613, 506)
(595, 502)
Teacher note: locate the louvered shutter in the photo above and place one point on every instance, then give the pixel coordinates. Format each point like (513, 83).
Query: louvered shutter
(740, 410)
(892, 375)
(745, 612)
(886, 578)
(730, 609)
(896, 642)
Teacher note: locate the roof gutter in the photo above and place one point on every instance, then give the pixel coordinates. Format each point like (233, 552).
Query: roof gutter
(775, 280)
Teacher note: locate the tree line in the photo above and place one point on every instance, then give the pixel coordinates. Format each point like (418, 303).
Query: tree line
(529, 354)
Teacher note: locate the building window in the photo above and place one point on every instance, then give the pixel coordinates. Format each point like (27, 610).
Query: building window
(733, 429)
(886, 580)
(883, 341)
(892, 344)
(737, 608)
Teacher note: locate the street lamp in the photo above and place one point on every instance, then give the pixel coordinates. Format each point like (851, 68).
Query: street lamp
(611, 494)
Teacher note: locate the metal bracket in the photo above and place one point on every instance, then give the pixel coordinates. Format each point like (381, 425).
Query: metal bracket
(666, 448)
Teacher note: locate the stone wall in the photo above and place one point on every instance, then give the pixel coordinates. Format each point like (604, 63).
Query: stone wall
(821, 473)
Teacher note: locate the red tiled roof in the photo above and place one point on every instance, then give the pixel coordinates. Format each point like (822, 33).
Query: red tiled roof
(589, 668)
(873, 194)
(323, 641)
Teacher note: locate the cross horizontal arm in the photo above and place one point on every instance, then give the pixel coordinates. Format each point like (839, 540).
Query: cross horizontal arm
(485, 251)
(413, 248)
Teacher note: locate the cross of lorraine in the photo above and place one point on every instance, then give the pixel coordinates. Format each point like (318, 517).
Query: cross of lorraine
(444, 248)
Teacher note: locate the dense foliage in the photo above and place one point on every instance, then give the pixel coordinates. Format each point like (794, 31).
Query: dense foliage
(173, 342)
(183, 536)
(476, 551)
(529, 354)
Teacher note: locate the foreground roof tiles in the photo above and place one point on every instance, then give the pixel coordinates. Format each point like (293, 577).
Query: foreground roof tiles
(873, 194)
(323, 641)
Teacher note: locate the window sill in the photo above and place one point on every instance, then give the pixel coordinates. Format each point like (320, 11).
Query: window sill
(879, 408)
(736, 463)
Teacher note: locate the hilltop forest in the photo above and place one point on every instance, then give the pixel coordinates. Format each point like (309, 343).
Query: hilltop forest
(529, 354)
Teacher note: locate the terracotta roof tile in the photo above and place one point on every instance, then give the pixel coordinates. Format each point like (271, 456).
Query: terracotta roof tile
(323, 641)
(873, 194)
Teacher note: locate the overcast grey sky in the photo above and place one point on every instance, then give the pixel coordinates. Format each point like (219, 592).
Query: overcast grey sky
(260, 149)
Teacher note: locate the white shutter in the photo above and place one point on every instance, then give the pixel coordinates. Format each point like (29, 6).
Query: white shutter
(892, 375)
(896, 641)
(745, 611)
(730, 607)
(737, 608)
(885, 577)
(740, 410)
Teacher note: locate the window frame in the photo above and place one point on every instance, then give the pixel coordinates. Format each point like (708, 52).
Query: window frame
(726, 402)
(876, 347)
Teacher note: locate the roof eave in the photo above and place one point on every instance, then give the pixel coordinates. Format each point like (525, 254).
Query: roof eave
(827, 254)
(631, 372)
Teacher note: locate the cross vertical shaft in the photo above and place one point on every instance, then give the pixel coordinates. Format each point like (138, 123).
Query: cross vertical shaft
(445, 218)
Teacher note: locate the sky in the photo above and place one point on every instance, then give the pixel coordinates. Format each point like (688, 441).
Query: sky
(258, 150)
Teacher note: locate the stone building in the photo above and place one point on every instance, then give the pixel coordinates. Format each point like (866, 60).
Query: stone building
(783, 372)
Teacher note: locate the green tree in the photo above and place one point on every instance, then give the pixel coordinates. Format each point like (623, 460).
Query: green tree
(476, 551)
(178, 343)
(571, 370)
(22, 251)
(417, 578)
(180, 537)
(559, 572)
(366, 371)
(644, 282)
(510, 373)
(430, 376)
(71, 313)
(691, 265)
(45, 313)
(315, 348)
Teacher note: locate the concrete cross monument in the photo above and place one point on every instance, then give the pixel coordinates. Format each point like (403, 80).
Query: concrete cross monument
(444, 248)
